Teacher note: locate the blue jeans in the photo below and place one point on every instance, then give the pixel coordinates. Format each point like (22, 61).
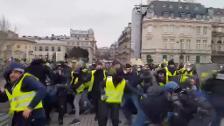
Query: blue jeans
(140, 117)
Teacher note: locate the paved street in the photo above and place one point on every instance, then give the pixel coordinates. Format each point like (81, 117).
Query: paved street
(86, 120)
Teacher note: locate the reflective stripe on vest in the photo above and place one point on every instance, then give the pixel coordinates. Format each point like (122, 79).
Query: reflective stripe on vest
(19, 100)
(89, 84)
(74, 81)
(114, 94)
(169, 75)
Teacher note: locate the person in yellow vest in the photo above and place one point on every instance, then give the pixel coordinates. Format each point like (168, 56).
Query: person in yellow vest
(79, 78)
(161, 77)
(189, 70)
(98, 75)
(186, 74)
(181, 68)
(25, 94)
(112, 91)
(170, 71)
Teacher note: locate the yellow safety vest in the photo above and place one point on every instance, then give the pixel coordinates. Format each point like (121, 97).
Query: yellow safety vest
(114, 94)
(89, 84)
(81, 88)
(161, 84)
(181, 71)
(169, 75)
(19, 100)
(185, 76)
(188, 74)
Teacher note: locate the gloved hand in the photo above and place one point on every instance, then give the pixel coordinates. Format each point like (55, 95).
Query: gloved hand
(104, 97)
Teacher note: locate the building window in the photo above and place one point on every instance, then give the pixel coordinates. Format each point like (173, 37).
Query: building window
(198, 30)
(188, 44)
(149, 59)
(166, 14)
(205, 30)
(164, 57)
(171, 57)
(149, 29)
(35, 48)
(187, 58)
(182, 15)
(204, 44)
(198, 42)
(219, 48)
(171, 28)
(46, 48)
(18, 46)
(165, 43)
(198, 17)
(59, 49)
(182, 29)
(197, 8)
(52, 48)
(165, 29)
(197, 59)
(219, 42)
(189, 15)
(40, 48)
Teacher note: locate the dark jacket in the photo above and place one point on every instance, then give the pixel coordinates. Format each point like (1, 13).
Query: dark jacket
(156, 105)
(98, 78)
(38, 69)
(83, 77)
(133, 80)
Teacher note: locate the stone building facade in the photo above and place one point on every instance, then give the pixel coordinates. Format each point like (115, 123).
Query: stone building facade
(14, 47)
(83, 39)
(176, 30)
(51, 50)
(123, 52)
(217, 22)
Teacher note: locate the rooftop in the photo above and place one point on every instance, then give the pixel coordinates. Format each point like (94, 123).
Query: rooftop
(177, 9)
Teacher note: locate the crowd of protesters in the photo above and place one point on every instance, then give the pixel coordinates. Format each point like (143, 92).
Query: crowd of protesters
(167, 94)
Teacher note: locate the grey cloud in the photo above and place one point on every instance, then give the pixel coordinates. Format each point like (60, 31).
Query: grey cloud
(44, 17)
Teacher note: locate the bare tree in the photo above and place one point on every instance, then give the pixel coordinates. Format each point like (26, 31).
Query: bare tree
(4, 24)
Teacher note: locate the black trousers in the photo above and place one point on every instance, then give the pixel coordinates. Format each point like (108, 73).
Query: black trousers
(62, 100)
(95, 100)
(70, 100)
(108, 110)
(37, 118)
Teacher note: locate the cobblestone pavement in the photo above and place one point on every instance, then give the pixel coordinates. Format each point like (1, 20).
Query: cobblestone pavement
(86, 120)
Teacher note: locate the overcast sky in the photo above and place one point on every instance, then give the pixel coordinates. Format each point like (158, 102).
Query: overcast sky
(45, 17)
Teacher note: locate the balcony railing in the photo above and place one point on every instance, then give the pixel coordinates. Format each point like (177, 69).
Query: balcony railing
(218, 53)
(184, 51)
